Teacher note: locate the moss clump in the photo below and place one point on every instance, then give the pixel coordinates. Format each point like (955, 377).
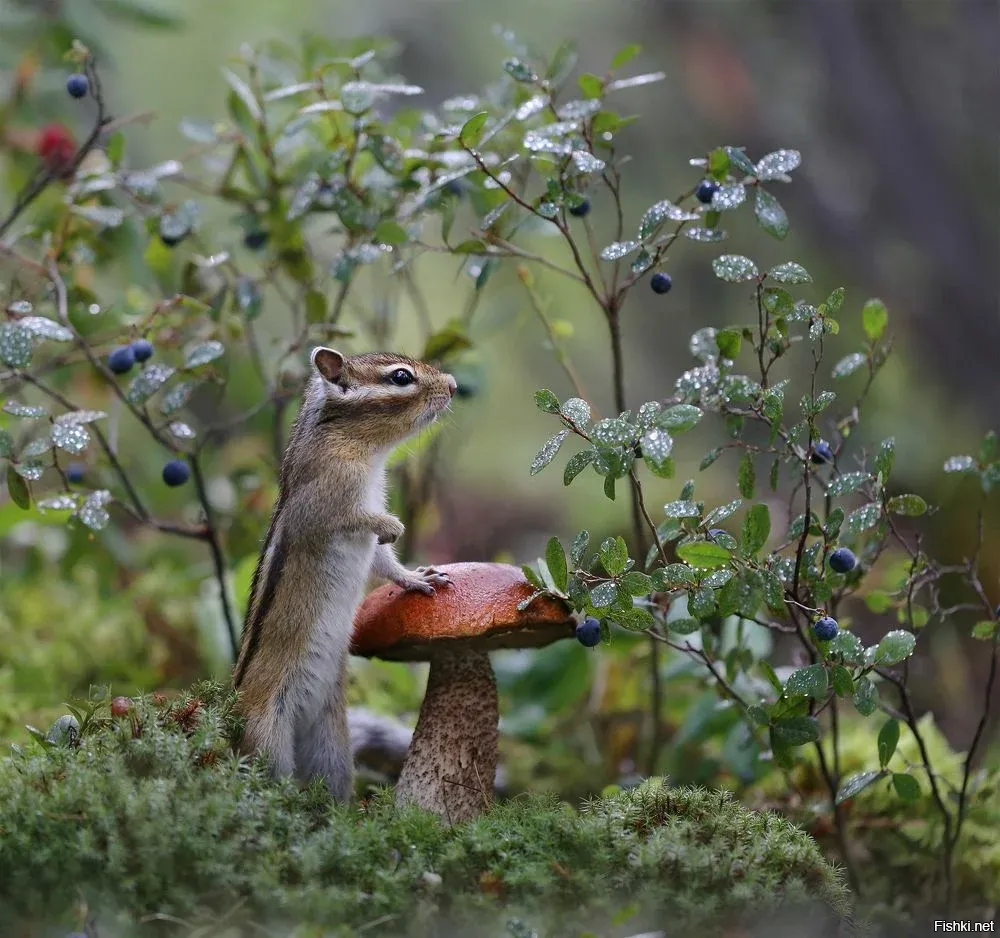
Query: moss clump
(152, 815)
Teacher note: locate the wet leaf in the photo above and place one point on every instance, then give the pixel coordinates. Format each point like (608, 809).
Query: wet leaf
(875, 318)
(808, 682)
(15, 345)
(618, 250)
(795, 731)
(895, 647)
(148, 382)
(548, 452)
(614, 555)
(735, 268)
(790, 272)
(888, 739)
(46, 328)
(577, 410)
(17, 488)
(204, 353)
(770, 215)
(849, 364)
(908, 505)
(777, 164)
(555, 560)
(704, 554)
(69, 437)
(473, 129)
(546, 401)
(857, 784)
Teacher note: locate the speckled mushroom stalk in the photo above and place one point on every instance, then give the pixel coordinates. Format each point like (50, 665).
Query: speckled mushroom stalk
(452, 759)
(451, 763)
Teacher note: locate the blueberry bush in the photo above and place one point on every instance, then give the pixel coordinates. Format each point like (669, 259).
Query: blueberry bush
(147, 384)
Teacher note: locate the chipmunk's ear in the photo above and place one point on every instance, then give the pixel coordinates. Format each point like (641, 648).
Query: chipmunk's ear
(329, 363)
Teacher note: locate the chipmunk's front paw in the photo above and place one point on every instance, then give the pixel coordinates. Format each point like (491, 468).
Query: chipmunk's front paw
(424, 579)
(388, 529)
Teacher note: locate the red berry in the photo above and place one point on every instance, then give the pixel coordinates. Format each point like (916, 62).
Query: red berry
(120, 706)
(56, 147)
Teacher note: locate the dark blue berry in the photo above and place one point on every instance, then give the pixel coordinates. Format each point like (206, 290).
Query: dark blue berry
(706, 189)
(826, 629)
(588, 632)
(660, 283)
(121, 360)
(74, 472)
(255, 239)
(581, 209)
(842, 560)
(822, 452)
(142, 349)
(77, 85)
(176, 472)
(453, 187)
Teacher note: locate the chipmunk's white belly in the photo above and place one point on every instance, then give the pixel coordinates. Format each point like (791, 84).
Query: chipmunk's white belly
(341, 577)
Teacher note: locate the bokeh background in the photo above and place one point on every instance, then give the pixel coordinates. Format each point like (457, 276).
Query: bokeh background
(894, 105)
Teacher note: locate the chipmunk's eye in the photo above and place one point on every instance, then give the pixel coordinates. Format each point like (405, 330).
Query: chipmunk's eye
(402, 377)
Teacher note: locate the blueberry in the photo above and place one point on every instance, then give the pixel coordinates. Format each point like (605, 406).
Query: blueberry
(255, 239)
(842, 560)
(452, 187)
(77, 85)
(826, 629)
(581, 209)
(142, 349)
(706, 189)
(822, 452)
(74, 472)
(176, 472)
(660, 283)
(121, 360)
(588, 632)
(172, 239)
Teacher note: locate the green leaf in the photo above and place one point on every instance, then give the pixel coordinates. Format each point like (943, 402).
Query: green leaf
(315, 306)
(729, 342)
(591, 85)
(15, 345)
(770, 215)
(849, 646)
(857, 784)
(772, 678)
(875, 318)
(577, 463)
(985, 630)
(740, 160)
(6, 445)
(909, 505)
(634, 619)
(604, 595)
(473, 130)
(790, 272)
(140, 13)
(580, 544)
(888, 739)
(849, 364)
(531, 576)
(735, 268)
(907, 787)
(546, 401)
(807, 682)
(843, 683)
(756, 529)
(704, 554)
(865, 696)
(672, 575)
(747, 476)
(625, 55)
(795, 731)
(895, 647)
(884, 457)
(679, 417)
(637, 583)
(555, 560)
(548, 452)
(614, 555)
(203, 353)
(244, 92)
(847, 483)
(862, 519)
(448, 340)
(17, 488)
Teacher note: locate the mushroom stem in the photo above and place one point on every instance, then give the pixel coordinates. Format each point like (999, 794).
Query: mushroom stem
(452, 759)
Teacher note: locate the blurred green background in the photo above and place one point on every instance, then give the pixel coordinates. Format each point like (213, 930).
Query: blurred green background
(894, 107)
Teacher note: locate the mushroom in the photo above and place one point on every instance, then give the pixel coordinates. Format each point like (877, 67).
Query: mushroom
(452, 759)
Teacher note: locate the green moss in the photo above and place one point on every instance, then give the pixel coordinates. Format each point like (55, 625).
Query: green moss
(156, 817)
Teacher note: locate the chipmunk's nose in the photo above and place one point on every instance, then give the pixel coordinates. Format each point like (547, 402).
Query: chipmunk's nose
(452, 385)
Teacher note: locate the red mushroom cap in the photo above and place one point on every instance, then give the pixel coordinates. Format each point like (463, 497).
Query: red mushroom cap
(480, 607)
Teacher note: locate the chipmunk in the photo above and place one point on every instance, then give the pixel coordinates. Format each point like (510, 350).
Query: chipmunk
(329, 531)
